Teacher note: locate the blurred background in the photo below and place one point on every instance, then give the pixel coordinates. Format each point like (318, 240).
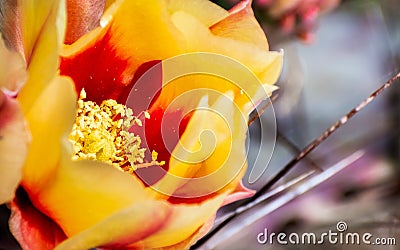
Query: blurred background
(336, 54)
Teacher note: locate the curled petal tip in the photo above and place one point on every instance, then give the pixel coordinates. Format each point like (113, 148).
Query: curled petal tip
(240, 192)
(30, 227)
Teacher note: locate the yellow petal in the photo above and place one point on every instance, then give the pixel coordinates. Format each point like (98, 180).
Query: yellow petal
(43, 26)
(272, 71)
(12, 69)
(14, 142)
(241, 25)
(188, 77)
(106, 60)
(150, 18)
(82, 193)
(123, 227)
(200, 38)
(76, 195)
(50, 118)
(125, 32)
(40, 18)
(204, 10)
(184, 220)
(237, 36)
(211, 152)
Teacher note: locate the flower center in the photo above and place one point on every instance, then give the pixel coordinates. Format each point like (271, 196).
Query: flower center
(101, 133)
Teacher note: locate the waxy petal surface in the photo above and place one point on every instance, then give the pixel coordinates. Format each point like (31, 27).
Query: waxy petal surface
(43, 25)
(14, 145)
(50, 120)
(104, 61)
(30, 227)
(123, 227)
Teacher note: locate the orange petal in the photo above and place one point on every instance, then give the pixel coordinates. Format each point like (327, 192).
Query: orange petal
(83, 16)
(191, 75)
(14, 143)
(104, 61)
(240, 192)
(241, 25)
(82, 193)
(127, 226)
(183, 222)
(211, 152)
(251, 49)
(30, 227)
(43, 25)
(250, 77)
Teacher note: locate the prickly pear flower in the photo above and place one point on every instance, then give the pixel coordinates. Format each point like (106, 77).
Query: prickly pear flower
(138, 123)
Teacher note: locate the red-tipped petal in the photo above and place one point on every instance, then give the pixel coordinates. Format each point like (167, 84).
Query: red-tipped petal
(122, 228)
(104, 61)
(83, 193)
(241, 192)
(241, 25)
(30, 227)
(184, 221)
(207, 163)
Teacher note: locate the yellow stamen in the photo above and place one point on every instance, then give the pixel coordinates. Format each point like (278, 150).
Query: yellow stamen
(101, 133)
(146, 115)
